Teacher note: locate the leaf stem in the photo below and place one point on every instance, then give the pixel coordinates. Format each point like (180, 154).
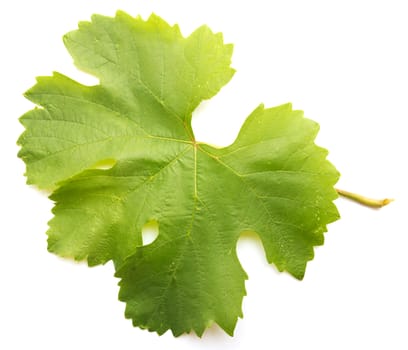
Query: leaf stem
(369, 202)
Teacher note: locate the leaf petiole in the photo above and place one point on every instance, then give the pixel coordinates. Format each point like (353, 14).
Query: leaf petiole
(369, 202)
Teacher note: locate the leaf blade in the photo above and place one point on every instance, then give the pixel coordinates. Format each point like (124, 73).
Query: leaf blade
(272, 180)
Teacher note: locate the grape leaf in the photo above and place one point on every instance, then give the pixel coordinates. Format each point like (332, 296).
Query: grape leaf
(272, 180)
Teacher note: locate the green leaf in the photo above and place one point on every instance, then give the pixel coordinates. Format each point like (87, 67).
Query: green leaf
(272, 180)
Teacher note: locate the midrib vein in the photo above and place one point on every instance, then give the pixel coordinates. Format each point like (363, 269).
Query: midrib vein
(195, 172)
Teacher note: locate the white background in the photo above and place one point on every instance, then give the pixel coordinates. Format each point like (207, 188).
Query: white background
(345, 63)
